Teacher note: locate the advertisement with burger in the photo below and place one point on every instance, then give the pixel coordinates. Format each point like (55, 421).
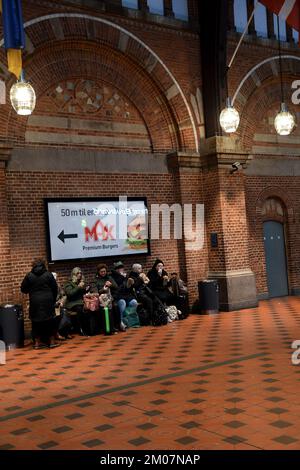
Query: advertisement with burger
(137, 234)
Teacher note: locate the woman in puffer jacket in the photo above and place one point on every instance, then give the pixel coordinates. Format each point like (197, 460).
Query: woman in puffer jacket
(42, 289)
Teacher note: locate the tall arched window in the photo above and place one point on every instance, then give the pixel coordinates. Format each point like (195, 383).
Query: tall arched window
(156, 6)
(180, 9)
(260, 20)
(282, 28)
(296, 36)
(240, 15)
(130, 4)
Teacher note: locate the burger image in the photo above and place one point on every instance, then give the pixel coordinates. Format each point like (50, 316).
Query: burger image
(137, 234)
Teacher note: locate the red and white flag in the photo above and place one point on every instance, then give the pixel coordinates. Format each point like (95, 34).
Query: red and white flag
(287, 10)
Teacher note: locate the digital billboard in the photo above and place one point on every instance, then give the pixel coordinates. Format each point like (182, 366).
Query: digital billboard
(96, 228)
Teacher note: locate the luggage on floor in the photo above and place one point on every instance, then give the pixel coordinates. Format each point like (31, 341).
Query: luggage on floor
(144, 316)
(172, 313)
(160, 316)
(64, 324)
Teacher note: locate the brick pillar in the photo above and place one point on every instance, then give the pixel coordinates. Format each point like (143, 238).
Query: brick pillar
(270, 25)
(193, 13)
(230, 19)
(168, 9)
(143, 6)
(224, 198)
(250, 8)
(6, 293)
(187, 174)
(113, 6)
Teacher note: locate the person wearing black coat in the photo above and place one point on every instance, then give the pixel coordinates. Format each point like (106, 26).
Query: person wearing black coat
(42, 289)
(160, 283)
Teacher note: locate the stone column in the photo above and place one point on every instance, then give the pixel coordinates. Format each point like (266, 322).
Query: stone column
(143, 6)
(250, 8)
(289, 33)
(224, 199)
(168, 9)
(270, 25)
(6, 281)
(230, 19)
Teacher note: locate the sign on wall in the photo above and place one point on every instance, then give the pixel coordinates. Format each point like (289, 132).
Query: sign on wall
(96, 228)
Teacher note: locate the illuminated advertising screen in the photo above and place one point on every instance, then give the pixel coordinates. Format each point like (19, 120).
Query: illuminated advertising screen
(96, 228)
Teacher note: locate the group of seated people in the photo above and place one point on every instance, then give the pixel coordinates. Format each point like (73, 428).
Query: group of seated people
(116, 291)
(125, 290)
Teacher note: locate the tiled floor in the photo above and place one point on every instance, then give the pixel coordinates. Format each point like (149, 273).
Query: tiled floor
(208, 382)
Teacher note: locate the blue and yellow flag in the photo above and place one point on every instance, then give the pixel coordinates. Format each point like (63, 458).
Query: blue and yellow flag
(14, 36)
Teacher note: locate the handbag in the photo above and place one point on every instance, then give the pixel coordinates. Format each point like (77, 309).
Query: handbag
(143, 316)
(91, 302)
(106, 299)
(160, 316)
(64, 320)
(172, 312)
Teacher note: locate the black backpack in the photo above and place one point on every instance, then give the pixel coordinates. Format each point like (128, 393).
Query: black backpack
(143, 316)
(160, 316)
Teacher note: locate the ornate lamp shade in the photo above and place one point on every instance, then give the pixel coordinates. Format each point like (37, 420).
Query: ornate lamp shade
(229, 118)
(22, 97)
(284, 121)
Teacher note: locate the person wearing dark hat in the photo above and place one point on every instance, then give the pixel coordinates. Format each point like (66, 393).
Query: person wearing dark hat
(124, 296)
(160, 283)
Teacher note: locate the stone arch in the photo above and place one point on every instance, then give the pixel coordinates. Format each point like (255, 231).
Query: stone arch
(60, 61)
(258, 113)
(273, 209)
(278, 199)
(265, 69)
(161, 82)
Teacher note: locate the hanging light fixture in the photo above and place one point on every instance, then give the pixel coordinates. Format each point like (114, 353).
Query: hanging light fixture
(284, 121)
(22, 97)
(229, 118)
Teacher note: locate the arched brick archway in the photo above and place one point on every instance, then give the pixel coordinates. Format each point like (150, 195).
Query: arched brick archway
(258, 113)
(66, 60)
(262, 71)
(132, 58)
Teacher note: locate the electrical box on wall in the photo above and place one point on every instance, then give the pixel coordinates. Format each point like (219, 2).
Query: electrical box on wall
(214, 240)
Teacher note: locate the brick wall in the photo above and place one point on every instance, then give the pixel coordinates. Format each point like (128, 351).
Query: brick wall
(78, 50)
(26, 190)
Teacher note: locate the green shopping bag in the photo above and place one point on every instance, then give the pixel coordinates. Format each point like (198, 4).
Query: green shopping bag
(131, 318)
